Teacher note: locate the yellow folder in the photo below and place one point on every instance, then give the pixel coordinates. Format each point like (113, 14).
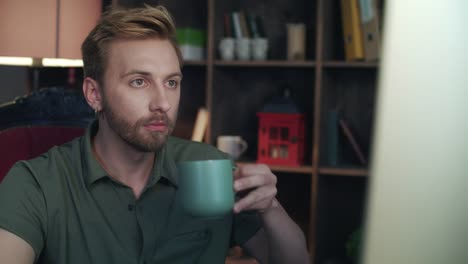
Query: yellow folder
(352, 33)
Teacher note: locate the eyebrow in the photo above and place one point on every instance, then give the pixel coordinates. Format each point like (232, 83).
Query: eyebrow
(144, 73)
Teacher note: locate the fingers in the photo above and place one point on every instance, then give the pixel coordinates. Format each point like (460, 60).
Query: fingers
(253, 182)
(250, 169)
(253, 176)
(258, 199)
(258, 183)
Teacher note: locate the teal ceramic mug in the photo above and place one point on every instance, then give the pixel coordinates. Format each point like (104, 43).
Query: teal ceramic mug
(206, 187)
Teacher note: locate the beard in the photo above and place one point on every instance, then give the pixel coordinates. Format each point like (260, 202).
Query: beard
(151, 141)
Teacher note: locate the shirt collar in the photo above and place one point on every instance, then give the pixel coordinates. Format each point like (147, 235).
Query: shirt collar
(164, 165)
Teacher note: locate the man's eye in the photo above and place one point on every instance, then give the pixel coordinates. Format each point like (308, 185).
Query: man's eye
(137, 82)
(172, 83)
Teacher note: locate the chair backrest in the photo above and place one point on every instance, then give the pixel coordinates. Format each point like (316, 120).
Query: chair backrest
(23, 143)
(32, 124)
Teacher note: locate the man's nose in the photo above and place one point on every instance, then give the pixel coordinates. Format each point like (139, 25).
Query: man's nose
(159, 99)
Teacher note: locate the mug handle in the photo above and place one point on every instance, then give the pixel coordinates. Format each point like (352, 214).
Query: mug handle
(243, 146)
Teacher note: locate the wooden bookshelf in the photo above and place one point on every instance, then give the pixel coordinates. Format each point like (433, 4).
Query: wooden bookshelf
(331, 199)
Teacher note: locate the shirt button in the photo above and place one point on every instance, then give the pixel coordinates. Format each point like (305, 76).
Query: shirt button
(130, 207)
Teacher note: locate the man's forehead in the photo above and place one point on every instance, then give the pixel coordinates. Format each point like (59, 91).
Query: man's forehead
(153, 56)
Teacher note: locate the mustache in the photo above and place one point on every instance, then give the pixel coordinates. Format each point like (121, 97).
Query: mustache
(158, 118)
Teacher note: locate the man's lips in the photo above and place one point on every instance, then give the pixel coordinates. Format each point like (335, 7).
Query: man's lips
(157, 126)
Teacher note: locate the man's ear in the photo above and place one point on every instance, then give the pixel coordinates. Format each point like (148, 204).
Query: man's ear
(92, 93)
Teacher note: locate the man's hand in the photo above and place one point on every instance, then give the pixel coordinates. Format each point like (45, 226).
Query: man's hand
(280, 240)
(259, 183)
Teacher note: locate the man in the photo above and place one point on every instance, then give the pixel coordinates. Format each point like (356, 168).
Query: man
(111, 195)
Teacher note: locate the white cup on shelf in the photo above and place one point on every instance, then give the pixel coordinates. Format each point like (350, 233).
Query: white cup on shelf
(259, 48)
(226, 48)
(243, 46)
(235, 146)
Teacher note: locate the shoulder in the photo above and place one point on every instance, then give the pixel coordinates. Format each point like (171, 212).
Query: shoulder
(34, 188)
(183, 149)
(58, 156)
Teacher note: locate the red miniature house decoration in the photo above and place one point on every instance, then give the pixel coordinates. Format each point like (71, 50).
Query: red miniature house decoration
(281, 136)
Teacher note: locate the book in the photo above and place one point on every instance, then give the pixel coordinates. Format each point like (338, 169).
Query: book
(252, 23)
(201, 123)
(227, 26)
(352, 140)
(243, 23)
(333, 139)
(260, 27)
(352, 33)
(236, 25)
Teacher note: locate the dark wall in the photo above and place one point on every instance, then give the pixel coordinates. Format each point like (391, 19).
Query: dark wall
(13, 82)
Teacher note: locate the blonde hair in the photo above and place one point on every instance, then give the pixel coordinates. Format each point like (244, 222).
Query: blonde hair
(135, 23)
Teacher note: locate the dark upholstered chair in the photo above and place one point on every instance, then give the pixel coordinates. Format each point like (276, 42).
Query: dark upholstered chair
(32, 124)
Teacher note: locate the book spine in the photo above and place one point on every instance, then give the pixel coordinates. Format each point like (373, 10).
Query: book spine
(260, 27)
(243, 23)
(252, 25)
(236, 25)
(333, 145)
(227, 26)
(352, 140)
(201, 123)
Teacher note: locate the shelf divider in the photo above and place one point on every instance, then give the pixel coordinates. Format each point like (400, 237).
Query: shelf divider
(350, 64)
(342, 171)
(266, 63)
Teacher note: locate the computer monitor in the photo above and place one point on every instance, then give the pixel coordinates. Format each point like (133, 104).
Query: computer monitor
(417, 211)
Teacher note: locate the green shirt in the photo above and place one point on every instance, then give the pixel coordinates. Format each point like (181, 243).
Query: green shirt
(65, 205)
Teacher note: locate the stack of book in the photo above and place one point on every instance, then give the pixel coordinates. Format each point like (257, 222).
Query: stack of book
(361, 29)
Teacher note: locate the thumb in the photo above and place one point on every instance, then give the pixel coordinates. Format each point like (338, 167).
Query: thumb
(237, 171)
